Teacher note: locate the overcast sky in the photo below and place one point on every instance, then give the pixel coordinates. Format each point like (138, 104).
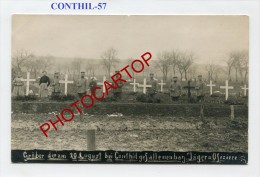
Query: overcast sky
(209, 37)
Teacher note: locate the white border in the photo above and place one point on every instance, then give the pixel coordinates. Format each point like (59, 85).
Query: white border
(130, 7)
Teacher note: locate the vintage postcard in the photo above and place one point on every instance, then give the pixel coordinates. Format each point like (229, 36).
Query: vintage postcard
(139, 89)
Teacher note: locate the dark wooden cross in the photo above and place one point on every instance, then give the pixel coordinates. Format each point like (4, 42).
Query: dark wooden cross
(189, 87)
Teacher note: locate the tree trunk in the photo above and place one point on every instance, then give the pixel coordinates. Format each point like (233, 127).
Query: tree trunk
(236, 75)
(181, 75)
(229, 74)
(19, 69)
(174, 71)
(216, 78)
(165, 75)
(245, 78)
(35, 74)
(108, 70)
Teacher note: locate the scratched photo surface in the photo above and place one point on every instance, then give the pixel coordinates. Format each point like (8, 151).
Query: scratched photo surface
(163, 83)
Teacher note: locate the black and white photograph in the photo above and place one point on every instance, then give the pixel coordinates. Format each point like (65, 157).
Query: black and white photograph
(132, 89)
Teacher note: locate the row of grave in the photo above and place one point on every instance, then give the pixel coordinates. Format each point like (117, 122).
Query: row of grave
(135, 85)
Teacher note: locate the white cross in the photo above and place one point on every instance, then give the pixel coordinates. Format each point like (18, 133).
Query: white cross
(210, 85)
(102, 84)
(227, 88)
(66, 82)
(162, 84)
(27, 80)
(134, 83)
(144, 86)
(244, 88)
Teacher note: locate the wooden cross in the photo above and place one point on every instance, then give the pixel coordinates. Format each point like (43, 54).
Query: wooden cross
(227, 88)
(162, 84)
(144, 86)
(66, 82)
(244, 88)
(134, 83)
(27, 80)
(210, 85)
(102, 84)
(189, 88)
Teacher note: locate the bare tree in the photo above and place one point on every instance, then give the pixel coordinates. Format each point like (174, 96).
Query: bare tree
(211, 68)
(33, 66)
(236, 63)
(239, 61)
(109, 59)
(38, 64)
(136, 65)
(230, 64)
(164, 63)
(46, 62)
(244, 65)
(90, 68)
(63, 67)
(19, 59)
(184, 63)
(218, 71)
(174, 57)
(76, 66)
(192, 72)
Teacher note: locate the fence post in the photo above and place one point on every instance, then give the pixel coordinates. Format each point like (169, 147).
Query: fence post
(91, 139)
(232, 116)
(202, 111)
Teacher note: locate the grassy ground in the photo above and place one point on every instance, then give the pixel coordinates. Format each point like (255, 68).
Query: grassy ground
(133, 133)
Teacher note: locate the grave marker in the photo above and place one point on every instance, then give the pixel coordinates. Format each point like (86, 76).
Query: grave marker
(66, 82)
(27, 80)
(134, 84)
(244, 88)
(144, 85)
(226, 87)
(162, 84)
(210, 85)
(102, 84)
(189, 87)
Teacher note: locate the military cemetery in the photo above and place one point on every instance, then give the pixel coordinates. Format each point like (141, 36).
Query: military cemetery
(178, 101)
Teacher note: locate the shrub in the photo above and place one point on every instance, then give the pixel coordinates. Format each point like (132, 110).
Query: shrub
(68, 97)
(25, 98)
(236, 101)
(141, 97)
